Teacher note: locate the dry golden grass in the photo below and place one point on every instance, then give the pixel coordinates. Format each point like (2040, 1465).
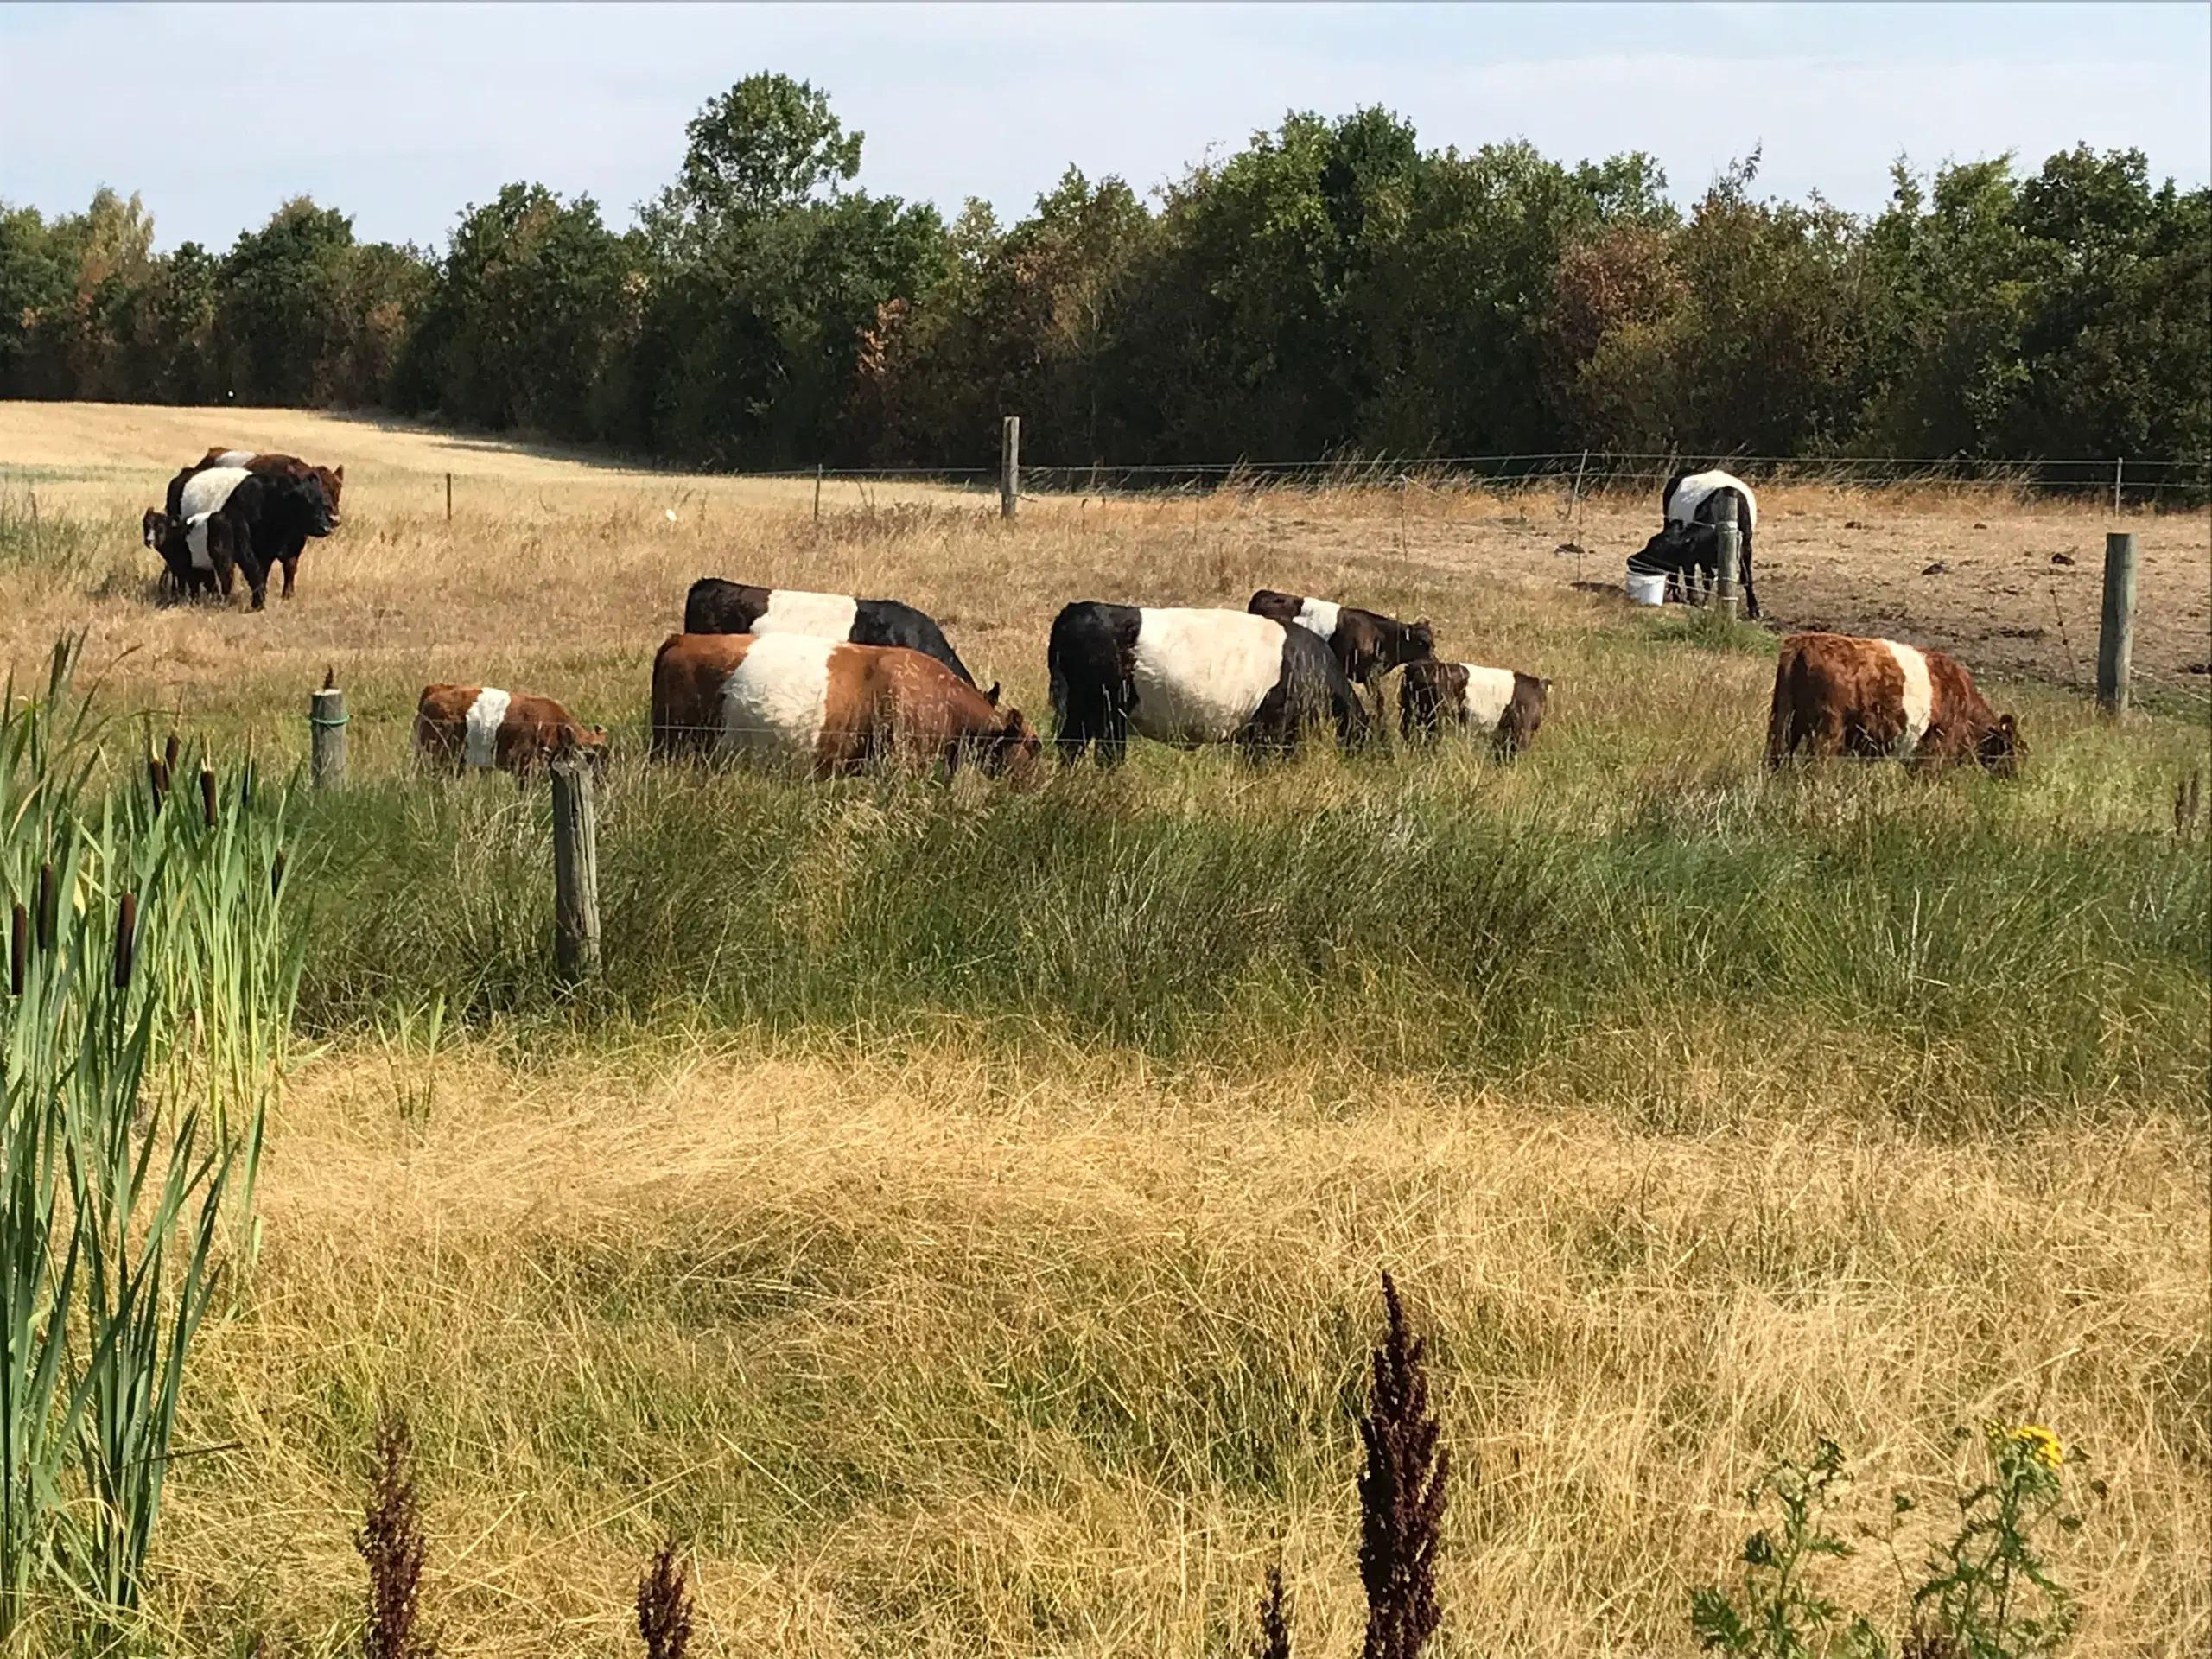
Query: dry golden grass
(950, 1358)
(971, 1353)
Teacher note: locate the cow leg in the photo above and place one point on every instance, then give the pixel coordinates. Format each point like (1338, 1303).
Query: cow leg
(291, 563)
(1751, 592)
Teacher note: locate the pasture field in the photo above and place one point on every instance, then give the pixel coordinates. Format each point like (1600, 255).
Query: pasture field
(957, 1212)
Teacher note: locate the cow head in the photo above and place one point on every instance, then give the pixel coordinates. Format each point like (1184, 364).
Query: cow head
(1411, 642)
(588, 743)
(1014, 747)
(1672, 551)
(2000, 748)
(154, 527)
(321, 517)
(333, 479)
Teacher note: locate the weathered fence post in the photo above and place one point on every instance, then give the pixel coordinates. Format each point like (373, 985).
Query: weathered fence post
(2116, 637)
(326, 737)
(576, 869)
(448, 497)
(817, 491)
(1009, 465)
(1731, 556)
(2119, 467)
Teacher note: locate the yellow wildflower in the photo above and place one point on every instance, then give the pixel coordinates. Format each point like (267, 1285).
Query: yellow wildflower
(2042, 1444)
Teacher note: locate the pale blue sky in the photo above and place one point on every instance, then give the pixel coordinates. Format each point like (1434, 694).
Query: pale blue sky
(400, 115)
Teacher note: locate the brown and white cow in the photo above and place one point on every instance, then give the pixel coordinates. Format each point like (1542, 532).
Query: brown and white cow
(1502, 702)
(827, 706)
(1367, 645)
(1835, 693)
(471, 727)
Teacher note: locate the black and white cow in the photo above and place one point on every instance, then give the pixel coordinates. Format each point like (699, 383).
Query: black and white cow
(1192, 677)
(229, 518)
(1688, 543)
(1366, 644)
(287, 551)
(714, 606)
(1504, 702)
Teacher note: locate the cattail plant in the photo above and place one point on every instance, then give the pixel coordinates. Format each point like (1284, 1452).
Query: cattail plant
(139, 1044)
(665, 1605)
(391, 1546)
(1400, 1494)
(1274, 1639)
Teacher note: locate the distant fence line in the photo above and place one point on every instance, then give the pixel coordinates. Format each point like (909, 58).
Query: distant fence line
(2164, 482)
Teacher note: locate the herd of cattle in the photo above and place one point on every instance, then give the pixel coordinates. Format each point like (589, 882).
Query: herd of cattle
(830, 683)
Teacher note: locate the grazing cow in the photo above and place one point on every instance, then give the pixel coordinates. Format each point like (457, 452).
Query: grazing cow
(1366, 644)
(1503, 701)
(264, 514)
(1192, 677)
(827, 706)
(1689, 541)
(714, 606)
(478, 726)
(333, 479)
(1837, 693)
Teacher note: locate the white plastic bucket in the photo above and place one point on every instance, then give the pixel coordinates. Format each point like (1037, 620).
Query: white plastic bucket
(1647, 589)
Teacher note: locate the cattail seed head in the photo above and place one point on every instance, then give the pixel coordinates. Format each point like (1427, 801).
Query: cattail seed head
(19, 941)
(49, 898)
(277, 873)
(207, 795)
(169, 751)
(126, 932)
(157, 780)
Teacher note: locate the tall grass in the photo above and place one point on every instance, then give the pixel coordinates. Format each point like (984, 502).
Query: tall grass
(1961, 961)
(150, 982)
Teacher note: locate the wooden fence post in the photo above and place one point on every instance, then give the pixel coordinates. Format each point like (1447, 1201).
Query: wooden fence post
(576, 869)
(1731, 556)
(817, 491)
(1009, 465)
(326, 737)
(2119, 467)
(2116, 637)
(448, 497)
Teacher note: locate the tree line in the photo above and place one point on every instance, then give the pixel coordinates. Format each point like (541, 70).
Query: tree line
(1333, 287)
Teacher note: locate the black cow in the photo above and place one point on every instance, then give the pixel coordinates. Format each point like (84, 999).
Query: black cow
(333, 479)
(1192, 677)
(248, 520)
(714, 606)
(1688, 545)
(1366, 644)
(1503, 701)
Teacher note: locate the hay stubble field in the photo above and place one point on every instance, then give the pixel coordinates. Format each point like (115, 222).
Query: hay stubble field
(959, 1217)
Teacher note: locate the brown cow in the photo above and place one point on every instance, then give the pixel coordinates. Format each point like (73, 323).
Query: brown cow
(1505, 703)
(1836, 693)
(827, 706)
(467, 727)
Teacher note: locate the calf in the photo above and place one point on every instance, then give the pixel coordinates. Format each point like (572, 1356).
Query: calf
(1366, 644)
(714, 606)
(199, 554)
(1192, 677)
(286, 553)
(1503, 701)
(474, 728)
(1689, 543)
(1837, 693)
(828, 707)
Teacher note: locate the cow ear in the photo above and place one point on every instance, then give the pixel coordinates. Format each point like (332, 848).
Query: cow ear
(339, 472)
(991, 697)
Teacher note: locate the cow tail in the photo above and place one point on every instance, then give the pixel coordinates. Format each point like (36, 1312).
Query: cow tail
(1780, 718)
